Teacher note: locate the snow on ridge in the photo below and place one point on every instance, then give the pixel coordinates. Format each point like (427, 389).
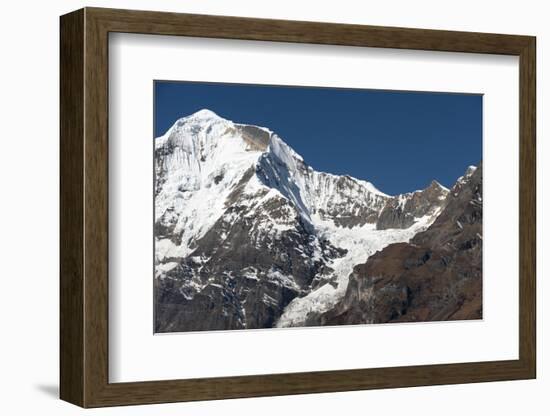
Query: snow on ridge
(293, 160)
(284, 152)
(370, 187)
(436, 183)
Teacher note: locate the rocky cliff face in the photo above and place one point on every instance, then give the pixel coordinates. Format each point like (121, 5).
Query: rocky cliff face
(403, 210)
(436, 276)
(247, 235)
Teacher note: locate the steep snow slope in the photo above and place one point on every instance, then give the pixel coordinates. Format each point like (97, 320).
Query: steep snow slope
(198, 162)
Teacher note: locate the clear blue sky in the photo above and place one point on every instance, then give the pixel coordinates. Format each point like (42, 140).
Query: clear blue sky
(397, 140)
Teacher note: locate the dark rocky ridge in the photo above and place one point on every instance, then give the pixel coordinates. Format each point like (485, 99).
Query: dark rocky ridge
(436, 276)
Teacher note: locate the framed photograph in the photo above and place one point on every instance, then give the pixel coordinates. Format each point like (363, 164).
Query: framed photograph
(260, 207)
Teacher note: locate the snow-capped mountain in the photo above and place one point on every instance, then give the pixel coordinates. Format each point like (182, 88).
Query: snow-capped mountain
(247, 235)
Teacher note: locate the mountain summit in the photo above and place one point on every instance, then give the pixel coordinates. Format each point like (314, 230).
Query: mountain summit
(246, 230)
(204, 114)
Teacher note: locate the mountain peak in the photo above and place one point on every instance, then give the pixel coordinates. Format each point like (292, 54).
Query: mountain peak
(204, 114)
(470, 170)
(202, 118)
(436, 185)
(464, 178)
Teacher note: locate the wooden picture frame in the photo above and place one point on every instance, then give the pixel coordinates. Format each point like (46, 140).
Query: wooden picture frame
(84, 207)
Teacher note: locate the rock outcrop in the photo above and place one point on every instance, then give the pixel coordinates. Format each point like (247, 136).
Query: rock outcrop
(404, 210)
